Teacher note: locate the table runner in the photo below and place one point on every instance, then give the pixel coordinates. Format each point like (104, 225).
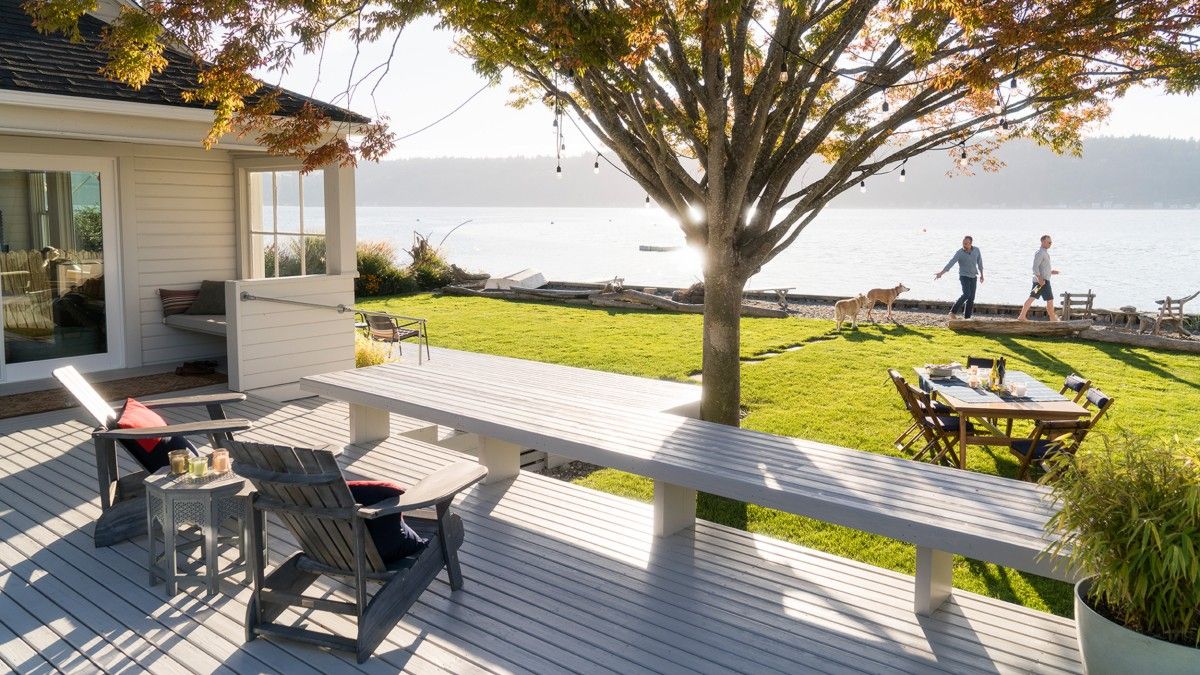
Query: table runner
(956, 387)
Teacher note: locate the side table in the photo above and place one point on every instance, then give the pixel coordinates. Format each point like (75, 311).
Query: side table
(173, 502)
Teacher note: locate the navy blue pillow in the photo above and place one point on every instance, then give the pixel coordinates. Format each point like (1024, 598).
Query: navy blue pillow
(157, 458)
(393, 538)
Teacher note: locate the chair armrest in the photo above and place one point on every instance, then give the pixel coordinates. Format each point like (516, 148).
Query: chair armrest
(202, 399)
(410, 319)
(187, 429)
(435, 488)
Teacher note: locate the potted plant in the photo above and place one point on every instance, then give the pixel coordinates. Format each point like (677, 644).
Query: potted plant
(1130, 517)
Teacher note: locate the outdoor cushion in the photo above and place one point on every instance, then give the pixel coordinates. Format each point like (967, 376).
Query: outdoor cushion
(176, 302)
(1074, 382)
(950, 423)
(1021, 447)
(151, 453)
(211, 299)
(393, 538)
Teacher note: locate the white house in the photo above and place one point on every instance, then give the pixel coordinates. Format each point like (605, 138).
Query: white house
(107, 198)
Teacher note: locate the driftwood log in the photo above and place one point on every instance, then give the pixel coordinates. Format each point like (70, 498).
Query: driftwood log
(1141, 340)
(630, 299)
(551, 293)
(1014, 327)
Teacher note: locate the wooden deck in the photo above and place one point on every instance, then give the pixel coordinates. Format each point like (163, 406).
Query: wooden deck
(559, 579)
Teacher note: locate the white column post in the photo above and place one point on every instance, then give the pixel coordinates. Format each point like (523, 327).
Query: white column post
(341, 231)
(934, 580)
(502, 459)
(368, 424)
(674, 508)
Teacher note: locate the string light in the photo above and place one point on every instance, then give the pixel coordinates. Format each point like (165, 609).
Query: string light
(558, 171)
(862, 186)
(783, 72)
(596, 165)
(1004, 124)
(647, 201)
(902, 173)
(883, 93)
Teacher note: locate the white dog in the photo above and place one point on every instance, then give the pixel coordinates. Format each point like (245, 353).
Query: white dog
(849, 309)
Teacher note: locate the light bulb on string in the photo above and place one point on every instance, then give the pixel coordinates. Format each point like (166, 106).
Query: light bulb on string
(862, 186)
(783, 72)
(885, 105)
(1004, 124)
(883, 93)
(558, 171)
(1013, 82)
(596, 165)
(647, 201)
(902, 174)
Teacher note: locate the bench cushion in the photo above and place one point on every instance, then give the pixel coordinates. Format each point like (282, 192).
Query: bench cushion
(211, 299)
(176, 302)
(213, 324)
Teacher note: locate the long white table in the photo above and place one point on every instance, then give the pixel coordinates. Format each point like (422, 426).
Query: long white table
(519, 405)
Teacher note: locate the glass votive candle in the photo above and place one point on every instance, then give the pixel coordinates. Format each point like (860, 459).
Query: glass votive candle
(220, 461)
(973, 382)
(974, 370)
(197, 467)
(179, 461)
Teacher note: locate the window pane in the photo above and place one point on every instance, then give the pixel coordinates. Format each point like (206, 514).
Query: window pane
(51, 265)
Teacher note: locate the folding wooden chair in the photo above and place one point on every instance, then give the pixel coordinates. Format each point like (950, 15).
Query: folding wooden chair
(339, 537)
(1075, 383)
(122, 498)
(1055, 437)
(905, 440)
(939, 430)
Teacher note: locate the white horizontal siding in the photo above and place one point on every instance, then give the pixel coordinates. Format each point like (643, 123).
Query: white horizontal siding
(183, 199)
(273, 343)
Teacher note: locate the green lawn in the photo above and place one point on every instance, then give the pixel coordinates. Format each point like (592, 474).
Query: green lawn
(834, 388)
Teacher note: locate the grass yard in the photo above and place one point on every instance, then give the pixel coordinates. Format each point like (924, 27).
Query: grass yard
(834, 388)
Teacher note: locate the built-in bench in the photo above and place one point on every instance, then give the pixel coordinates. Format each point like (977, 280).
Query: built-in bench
(942, 511)
(209, 324)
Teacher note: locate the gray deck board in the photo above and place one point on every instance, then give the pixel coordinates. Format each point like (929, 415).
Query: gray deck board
(559, 578)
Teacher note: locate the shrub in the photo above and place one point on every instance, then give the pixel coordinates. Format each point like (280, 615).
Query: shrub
(378, 273)
(89, 231)
(1130, 514)
(368, 352)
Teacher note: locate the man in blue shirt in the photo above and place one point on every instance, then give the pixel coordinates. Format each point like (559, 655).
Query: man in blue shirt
(970, 266)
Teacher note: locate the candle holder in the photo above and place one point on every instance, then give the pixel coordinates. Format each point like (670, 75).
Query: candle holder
(179, 461)
(220, 461)
(197, 467)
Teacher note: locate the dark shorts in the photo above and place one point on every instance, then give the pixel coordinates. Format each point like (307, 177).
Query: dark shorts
(1044, 293)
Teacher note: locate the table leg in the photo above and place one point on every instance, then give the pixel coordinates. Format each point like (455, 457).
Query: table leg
(934, 580)
(150, 543)
(501, 458)
(368, 424)
(674, 508)
(170, 554)
(962, 441)
(211, 532)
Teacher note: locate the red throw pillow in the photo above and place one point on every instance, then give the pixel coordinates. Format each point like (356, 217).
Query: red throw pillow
(137, 416)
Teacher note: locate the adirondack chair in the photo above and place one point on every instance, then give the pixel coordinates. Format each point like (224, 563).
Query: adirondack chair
(306, 490)
(122, 498)
(1170, 312)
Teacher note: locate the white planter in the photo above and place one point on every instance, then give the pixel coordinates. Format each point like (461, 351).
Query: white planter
(1110, 648)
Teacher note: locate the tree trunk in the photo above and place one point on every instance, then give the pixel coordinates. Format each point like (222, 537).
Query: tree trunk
(721, 398)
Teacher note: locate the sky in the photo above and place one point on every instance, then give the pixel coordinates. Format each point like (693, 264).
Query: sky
(428, 80)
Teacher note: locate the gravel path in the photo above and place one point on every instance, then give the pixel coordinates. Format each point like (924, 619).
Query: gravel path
(906, 317)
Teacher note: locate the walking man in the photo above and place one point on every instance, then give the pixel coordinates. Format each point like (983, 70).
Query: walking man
(1041, 281)
(970, 266)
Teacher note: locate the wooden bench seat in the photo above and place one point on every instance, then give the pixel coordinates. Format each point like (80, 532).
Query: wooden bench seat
(209, 324)
(940, 510)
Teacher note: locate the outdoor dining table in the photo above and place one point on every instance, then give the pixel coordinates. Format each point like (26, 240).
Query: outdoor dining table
(979, 405)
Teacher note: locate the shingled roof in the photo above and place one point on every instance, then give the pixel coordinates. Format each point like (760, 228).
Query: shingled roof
(51, 64)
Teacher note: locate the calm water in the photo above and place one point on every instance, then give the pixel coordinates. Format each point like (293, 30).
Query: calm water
(1125, 256)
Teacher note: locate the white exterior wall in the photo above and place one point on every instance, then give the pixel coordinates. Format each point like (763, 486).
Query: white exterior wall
(175, 217)
(273, 344)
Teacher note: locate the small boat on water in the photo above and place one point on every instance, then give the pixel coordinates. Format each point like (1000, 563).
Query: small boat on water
(658, 249)
(1014, 327)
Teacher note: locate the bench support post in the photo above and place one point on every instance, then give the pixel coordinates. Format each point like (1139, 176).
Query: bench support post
(674, 508)
(502, 459)
(368, 424)
(934, 581)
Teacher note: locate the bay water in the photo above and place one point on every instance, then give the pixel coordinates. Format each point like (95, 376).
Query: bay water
(1127, 257)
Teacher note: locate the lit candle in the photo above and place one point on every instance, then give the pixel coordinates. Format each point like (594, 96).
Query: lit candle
(197, 467)
(179, 459)
(220, 461)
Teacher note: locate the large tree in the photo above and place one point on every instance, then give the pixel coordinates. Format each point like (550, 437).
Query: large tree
(742, 118)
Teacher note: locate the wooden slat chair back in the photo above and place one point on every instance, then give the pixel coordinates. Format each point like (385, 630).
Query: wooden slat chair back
(912, 432)
(306, 490)
(1057, 437)
(1078, 305)
(1170, 312)
(122, 504)
(938, 428)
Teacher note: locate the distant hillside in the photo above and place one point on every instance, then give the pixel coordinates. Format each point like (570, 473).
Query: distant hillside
(1138, 172)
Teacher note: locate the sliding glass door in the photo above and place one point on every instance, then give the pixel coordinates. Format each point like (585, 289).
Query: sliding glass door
(57, 265)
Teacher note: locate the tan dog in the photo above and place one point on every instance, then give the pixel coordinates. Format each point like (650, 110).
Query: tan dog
(885, 295)
(849, 309)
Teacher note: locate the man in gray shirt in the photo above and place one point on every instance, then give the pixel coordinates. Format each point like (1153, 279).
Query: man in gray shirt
(1041, 281)
(970, 266)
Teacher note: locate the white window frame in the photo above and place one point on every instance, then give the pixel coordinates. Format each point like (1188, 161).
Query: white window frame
(114, 309)
(273, 233)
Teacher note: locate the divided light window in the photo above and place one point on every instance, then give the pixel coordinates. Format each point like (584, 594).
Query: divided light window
(287, 229)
